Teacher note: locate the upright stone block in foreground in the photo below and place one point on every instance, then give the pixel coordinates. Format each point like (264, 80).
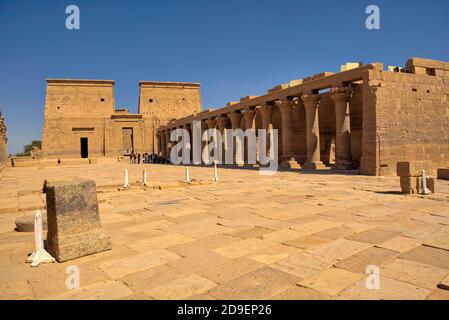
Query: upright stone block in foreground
(74, 228)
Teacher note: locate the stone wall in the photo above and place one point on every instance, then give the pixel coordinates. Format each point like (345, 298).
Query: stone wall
(161, 102)
(3, 141)
(411, 117)
(77, 110)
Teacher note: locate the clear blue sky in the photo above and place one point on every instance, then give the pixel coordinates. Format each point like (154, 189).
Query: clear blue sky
(232, 47)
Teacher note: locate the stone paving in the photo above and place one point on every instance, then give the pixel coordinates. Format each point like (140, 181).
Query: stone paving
(293, 235)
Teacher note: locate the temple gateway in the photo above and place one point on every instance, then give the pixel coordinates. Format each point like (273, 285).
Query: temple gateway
(362, 118)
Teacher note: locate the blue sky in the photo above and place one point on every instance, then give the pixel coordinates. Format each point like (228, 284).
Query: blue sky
(233, 48)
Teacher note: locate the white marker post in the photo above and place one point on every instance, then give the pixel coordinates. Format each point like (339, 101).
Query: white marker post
(40, 255)
(126, 185)
(216, 172)
(144, 178)
(424, 183)
(187, 175)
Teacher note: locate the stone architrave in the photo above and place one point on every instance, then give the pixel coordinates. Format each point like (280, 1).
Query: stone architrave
(74, 227)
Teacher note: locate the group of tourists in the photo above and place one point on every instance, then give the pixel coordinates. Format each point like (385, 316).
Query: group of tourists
(146, 158)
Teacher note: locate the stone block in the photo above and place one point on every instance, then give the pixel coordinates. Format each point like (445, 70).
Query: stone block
(411, 185)
(443, 173)
(432, 184)
(413, 168)
(26, 223)
(74, 227)
(246, 98)
(278, 87)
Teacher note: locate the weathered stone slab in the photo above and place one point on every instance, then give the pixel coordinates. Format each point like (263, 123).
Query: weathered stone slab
(74, 227)
(300, 293)
(263, 283)
(416, 273)
(26, 223)
(432, 185)
(306, 242)
(400, 244)
(338, 249)
(242, 248)
(428, 255)
(132, 264)
(373, 236)
(411, 185)
(181, 288)
(443, 173)
(230, 270)
(331, 281)
(389, 289)
(413, 168)
(105, 290)
(372, 256)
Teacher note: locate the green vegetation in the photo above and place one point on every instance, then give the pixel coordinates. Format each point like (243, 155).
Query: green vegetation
(27, 149)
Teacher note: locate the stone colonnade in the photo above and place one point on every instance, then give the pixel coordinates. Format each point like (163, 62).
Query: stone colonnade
(244, 118)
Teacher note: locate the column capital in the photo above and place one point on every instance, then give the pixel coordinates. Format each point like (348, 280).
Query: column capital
(265, 109)
(249, 113)
(222, 121)
(340, 94)
(235, 117)
(210, 123)
(284, 105)
(311, 100)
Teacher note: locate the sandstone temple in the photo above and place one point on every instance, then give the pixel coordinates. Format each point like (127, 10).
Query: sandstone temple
(363, 117)
(81, 119)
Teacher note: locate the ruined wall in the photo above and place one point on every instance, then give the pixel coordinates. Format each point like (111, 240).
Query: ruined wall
(3, 141)
(76, 109)
(161, 102)
(410, 114)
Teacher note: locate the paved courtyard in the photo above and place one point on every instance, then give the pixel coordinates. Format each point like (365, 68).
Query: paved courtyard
(294, 235)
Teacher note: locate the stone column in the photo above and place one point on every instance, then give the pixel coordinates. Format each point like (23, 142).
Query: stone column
(158, 142)
(288, 157)
(248, 115)
(167, 143)
(163, 148)
(311, 102)
(340, 96)
(222, 123)
(267, 111)
(235, 122)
